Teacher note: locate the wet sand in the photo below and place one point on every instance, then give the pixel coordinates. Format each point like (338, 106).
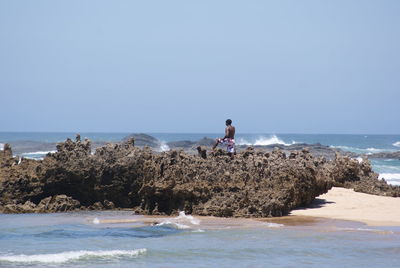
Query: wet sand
(219, 223)
(346, 204)
(339, 207)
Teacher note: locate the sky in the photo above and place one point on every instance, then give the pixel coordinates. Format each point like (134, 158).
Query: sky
(187, 66)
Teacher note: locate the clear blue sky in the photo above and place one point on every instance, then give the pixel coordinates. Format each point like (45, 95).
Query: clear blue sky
(186, 66)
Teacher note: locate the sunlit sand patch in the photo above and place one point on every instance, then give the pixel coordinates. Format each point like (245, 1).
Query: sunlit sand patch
(346, 204)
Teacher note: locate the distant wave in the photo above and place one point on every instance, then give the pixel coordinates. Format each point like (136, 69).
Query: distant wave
(264, 141)
(72, 255)
(391, 178)
(39, 152)
(360, 150)
(397, 144)
(36, 155)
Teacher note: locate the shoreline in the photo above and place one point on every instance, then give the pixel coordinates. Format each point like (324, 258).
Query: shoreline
(346, 204)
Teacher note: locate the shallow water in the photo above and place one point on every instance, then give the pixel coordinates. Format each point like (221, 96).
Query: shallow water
(89, 239)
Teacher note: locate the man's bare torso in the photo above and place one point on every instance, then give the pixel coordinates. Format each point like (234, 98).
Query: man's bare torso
(230, 132)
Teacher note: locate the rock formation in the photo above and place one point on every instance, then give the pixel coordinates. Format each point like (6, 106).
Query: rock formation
(385, 155)
(254, 184)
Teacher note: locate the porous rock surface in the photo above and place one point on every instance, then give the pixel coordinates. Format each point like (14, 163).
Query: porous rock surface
(254, 184)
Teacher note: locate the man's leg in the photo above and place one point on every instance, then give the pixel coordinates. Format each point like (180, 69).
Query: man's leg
(216, 144)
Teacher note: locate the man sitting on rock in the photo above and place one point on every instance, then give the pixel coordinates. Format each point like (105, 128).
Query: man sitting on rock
(228, 140)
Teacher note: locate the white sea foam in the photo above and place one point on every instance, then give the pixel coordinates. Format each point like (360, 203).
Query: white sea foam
(359, 159)
(359, 229)
(39, 152)
(397, 144)
(71, 256)
(177, 225)
(181, 222)
(96, 221)
(36, 155)
(189, 218)
(263, 141)
(391, 178)
(1, 146)
(163, 147)
(273, 225)
(198, 231)
(242, 141)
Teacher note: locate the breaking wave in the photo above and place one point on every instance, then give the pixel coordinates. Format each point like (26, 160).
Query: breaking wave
(190, 218)
(397, 144)
(181, 222)
(263, 141)
(39, 152)
(163, 147)
(36, 155)
(391, 178)
(72, 256)
(1, 146)
(175, 224)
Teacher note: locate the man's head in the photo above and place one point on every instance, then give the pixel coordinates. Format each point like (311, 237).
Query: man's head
(228, 122)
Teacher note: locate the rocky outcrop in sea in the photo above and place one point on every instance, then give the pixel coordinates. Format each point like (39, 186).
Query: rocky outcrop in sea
(123, 176)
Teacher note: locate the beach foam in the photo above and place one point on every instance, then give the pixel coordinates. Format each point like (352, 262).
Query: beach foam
(273, 225)
(397, 144)
(189, 218)
(175, 224)
(181, 222)
(359, 229)
(72, 255)
(1, 146)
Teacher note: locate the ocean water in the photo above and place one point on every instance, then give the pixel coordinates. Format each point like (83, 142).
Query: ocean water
(122, 239)
(82, 240)
(364, 143)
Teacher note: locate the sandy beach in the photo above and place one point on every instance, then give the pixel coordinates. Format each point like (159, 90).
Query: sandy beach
(346, 204)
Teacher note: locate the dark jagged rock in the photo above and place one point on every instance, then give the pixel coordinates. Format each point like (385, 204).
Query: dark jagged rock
(58, 203)
(255, 184)
(142, 139)
(190, 144)
(202, 152)
(386, 155)
(350, 173)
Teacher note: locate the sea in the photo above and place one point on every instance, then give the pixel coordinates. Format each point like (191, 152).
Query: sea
(124, 239)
